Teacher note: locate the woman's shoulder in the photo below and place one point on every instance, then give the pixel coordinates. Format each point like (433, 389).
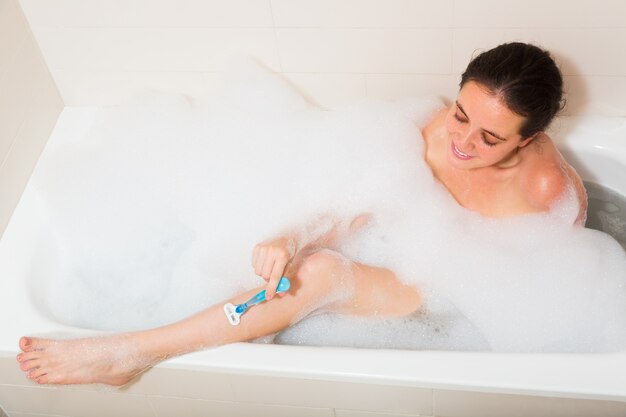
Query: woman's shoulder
(548, 177)
(432, 128)
(544, 183)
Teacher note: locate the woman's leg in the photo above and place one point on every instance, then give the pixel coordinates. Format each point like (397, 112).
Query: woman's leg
(321, 280)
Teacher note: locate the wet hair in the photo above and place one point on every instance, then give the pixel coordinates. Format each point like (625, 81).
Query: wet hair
(525, 77)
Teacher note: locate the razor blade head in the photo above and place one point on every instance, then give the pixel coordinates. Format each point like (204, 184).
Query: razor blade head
(231, 314)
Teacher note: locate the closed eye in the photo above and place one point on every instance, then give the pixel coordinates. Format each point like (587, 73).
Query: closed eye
(483, 136)
(462, 118)
(486, 141)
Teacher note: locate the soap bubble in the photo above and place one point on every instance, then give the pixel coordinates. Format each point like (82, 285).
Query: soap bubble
(155, 208)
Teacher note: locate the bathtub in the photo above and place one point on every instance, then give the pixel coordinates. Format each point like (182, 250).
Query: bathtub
(276, 380)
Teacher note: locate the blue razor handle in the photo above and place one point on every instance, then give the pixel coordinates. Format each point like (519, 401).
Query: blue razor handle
(283, 286)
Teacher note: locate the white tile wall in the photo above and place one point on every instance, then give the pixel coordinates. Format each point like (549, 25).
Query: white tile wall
(329, 88)
(151, 13)
(34, 415)
(355, 413)
(14, 30)
(328, 394)
(339, 50)
(199, 385)
(152, 49)
(596, 94)
(398, 86)
(73, 403)
(109, 87)
(531, 14)
(13, 34)
(18, 95)
(363, 13)
(167, 407)
(398, 50)
(29, 105)
(603, 48)
(476, 404)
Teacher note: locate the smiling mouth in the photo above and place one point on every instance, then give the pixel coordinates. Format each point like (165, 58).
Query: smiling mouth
(457, 152)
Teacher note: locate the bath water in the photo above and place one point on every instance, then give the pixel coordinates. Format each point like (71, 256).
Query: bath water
(607, 211)
(152, 210)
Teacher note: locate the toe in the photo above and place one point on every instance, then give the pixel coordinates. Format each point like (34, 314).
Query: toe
(36, 374)
(26, 344)
(42, 379)
(36, 344)
(30, 344)
(30, 365)
(27, 356)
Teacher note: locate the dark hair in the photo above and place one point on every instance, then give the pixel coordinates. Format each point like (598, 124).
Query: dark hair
(527, 79)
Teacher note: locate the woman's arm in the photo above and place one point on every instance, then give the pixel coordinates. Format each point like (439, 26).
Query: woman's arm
(271, 257)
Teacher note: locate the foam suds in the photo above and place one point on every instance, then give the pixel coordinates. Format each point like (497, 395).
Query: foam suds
(153, 208)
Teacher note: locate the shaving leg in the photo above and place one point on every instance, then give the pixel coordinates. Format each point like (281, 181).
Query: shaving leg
(322, 280)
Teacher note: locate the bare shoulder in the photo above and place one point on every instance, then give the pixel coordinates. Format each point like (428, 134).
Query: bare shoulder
(548, 176)
(545, 184)
(434, 124)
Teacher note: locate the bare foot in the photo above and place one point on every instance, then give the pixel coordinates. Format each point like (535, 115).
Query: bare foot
(112, 360)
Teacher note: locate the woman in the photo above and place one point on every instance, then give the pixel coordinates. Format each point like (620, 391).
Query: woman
(488, 149)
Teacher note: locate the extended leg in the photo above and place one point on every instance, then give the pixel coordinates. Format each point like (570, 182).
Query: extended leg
(324, 279)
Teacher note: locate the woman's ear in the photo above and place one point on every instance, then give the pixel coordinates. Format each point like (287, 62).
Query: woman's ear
(529, 139)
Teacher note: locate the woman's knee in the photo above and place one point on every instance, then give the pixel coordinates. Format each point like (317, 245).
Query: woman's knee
(325, 268)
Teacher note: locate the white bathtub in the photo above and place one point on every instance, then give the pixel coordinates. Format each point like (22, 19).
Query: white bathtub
(270, 380)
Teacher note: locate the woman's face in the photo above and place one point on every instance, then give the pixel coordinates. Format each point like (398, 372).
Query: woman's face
(482, 130)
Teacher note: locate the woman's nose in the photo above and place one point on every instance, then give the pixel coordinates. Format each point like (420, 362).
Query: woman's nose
(466, 139)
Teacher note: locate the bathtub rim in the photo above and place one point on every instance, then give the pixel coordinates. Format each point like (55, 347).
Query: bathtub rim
(508, 373)
(583, 376)
(500, 373)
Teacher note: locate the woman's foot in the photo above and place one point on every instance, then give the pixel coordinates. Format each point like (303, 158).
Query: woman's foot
(112, 360)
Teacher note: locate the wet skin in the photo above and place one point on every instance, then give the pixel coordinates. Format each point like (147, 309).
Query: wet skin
(473, 148)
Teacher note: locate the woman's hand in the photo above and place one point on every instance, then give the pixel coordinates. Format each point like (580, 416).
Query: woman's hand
(269, 259)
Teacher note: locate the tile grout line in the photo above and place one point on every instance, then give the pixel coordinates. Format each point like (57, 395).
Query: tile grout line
(276, 46)
(21, 47)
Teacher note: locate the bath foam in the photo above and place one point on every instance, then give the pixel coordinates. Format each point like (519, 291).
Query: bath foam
(153, 210)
